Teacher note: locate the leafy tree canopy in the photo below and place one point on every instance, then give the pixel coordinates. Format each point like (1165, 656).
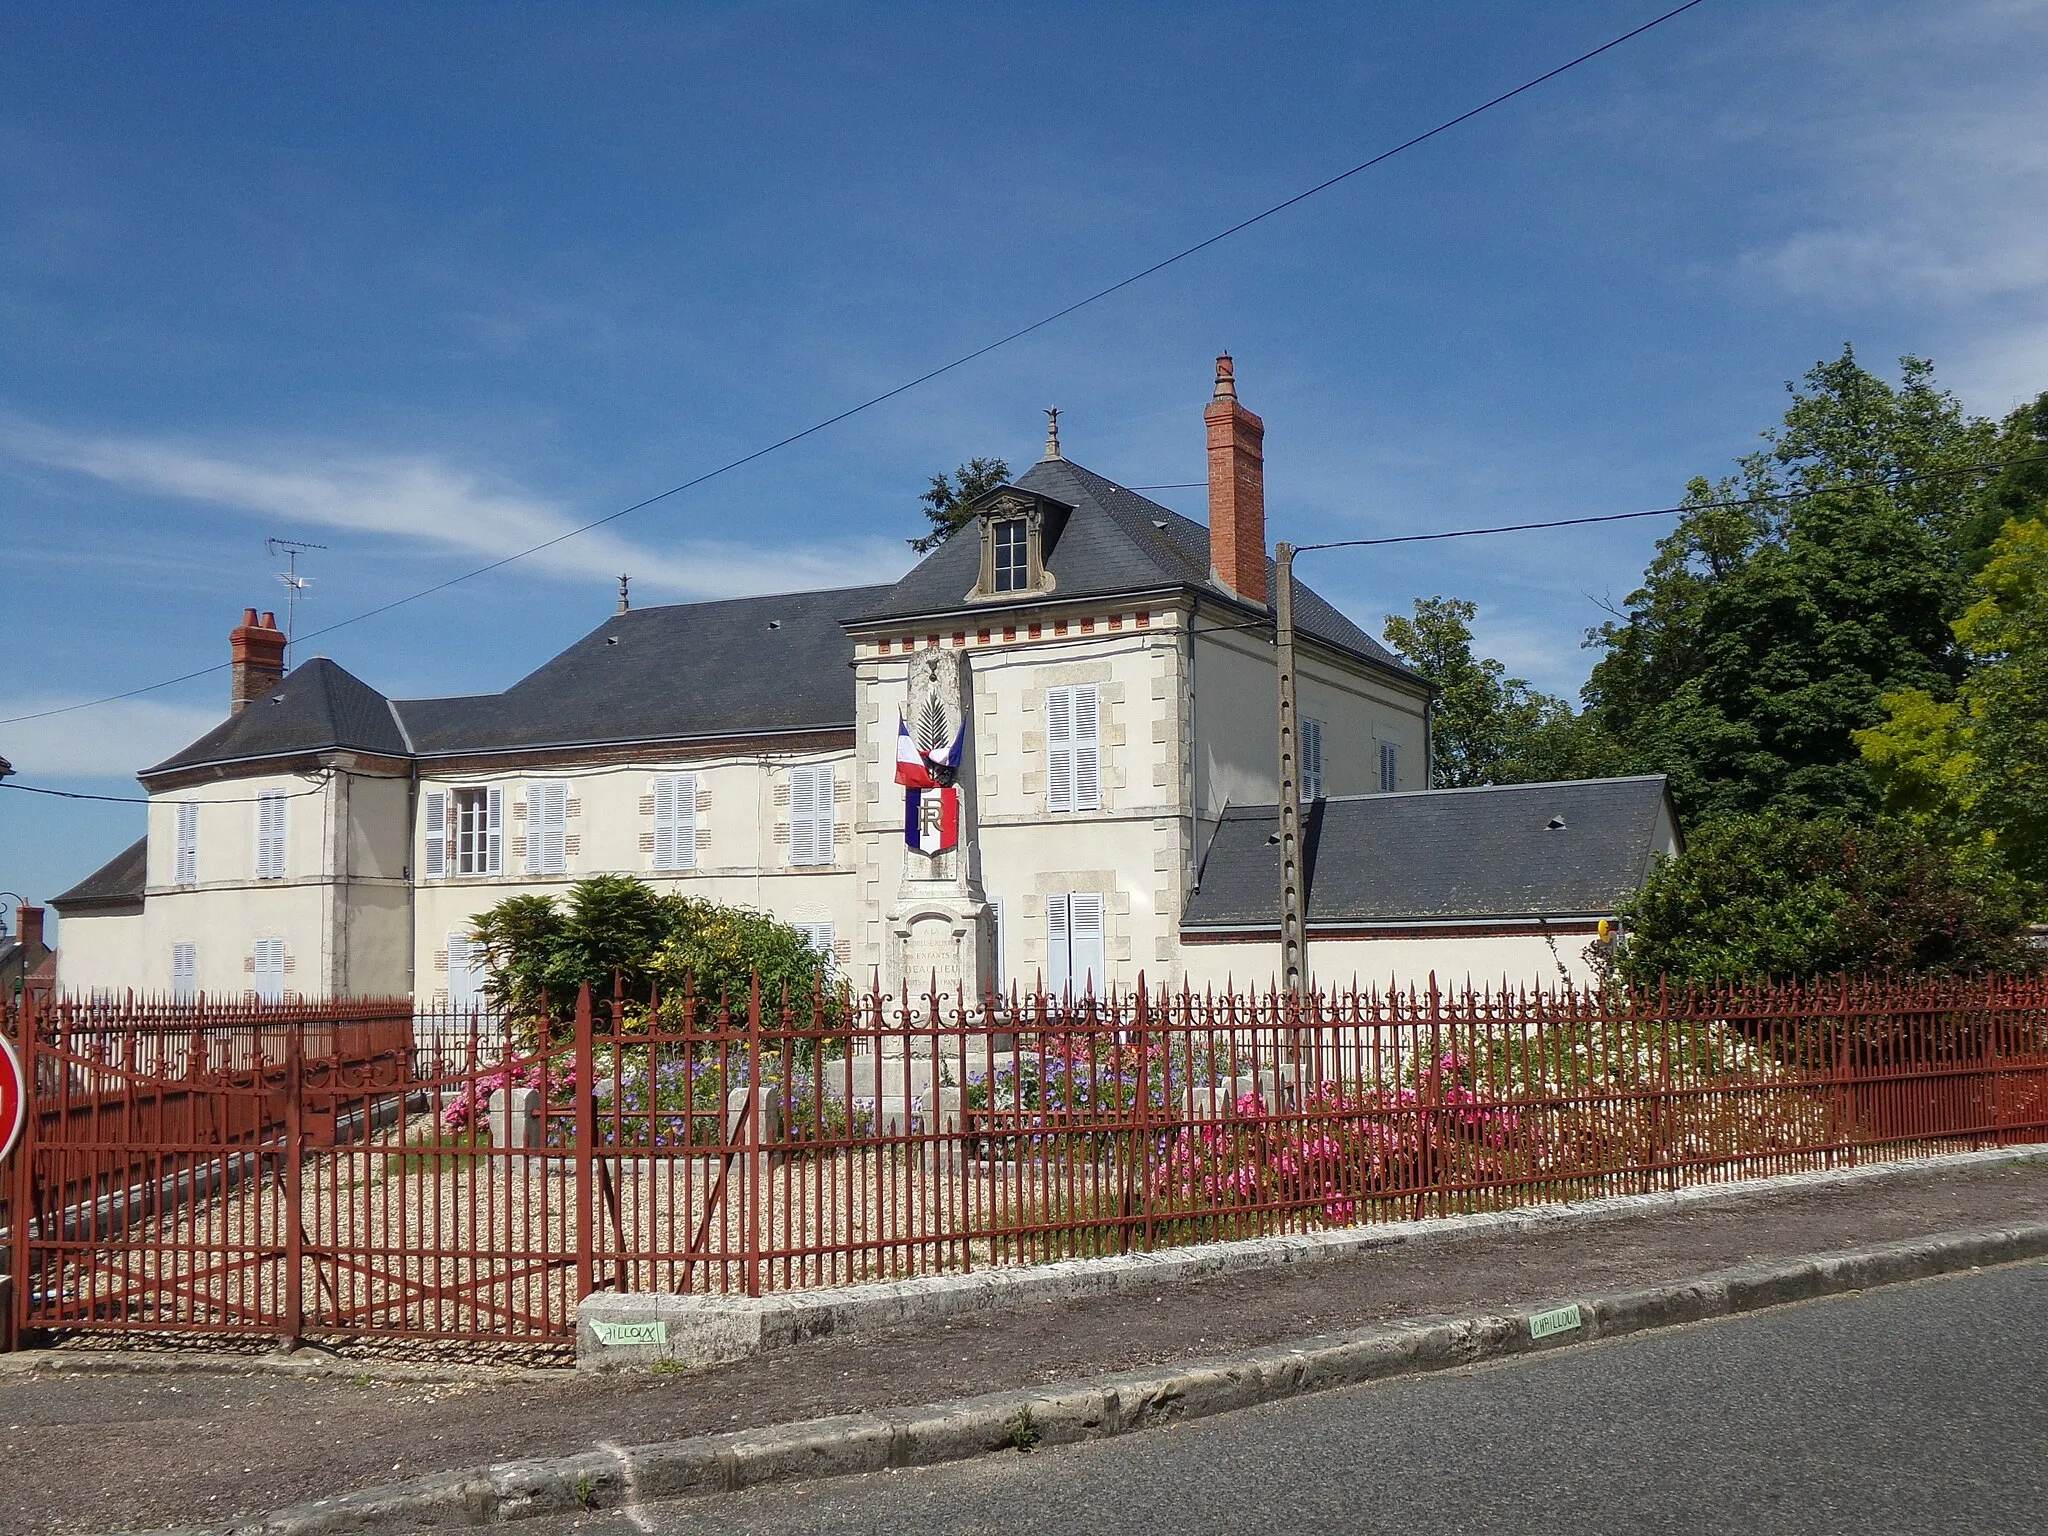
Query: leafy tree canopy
(1975, 767)
(1486, 727)
(946, 503)
(535, 948)
(1766, 634)
(1775, 896)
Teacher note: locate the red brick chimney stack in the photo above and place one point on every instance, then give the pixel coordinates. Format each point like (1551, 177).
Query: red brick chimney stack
(258, 653)
(1237, 490)
(28, 927)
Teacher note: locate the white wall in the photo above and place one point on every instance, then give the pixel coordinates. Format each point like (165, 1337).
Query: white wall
(742, 845)
(1488, 960)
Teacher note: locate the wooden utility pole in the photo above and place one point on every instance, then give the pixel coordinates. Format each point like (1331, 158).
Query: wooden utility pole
(1293, 919)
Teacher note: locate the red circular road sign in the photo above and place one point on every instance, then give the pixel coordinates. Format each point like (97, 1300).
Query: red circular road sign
(13, 1098)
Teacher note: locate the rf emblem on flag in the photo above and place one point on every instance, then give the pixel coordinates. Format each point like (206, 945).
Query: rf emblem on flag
(928, 768)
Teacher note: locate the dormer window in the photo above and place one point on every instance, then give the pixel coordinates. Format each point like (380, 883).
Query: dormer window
(1018, 531)
(1012, 555)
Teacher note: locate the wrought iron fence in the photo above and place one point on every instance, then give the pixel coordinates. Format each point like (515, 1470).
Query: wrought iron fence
(358, 1170)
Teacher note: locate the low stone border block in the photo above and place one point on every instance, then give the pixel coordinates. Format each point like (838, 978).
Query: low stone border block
(640, 1330)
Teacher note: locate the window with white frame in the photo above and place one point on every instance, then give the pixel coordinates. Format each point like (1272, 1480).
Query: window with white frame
(465, 973)
(185, 870)
(477, 830)
(1073, 749)
(1012, 554)
(675, 821)
(811, 813)
(184, 972)
(1390, 767)
(547, 827)
(1311, 759)
(270, 958)
(1073, 943)
(270, 825)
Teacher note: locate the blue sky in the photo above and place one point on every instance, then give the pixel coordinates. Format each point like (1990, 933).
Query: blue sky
(427, 283)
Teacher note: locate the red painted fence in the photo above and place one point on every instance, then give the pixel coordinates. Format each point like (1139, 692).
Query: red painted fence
(337, 1170)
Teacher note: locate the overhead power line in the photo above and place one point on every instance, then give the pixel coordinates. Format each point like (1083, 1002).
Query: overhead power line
(1777, 498)
(72, 794)
(925, 378)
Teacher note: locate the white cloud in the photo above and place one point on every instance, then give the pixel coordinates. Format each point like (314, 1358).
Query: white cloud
(1926, 183)
(423, 499)
(112, 741)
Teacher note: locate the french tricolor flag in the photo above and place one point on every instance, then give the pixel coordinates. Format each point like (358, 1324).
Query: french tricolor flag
(923, 773)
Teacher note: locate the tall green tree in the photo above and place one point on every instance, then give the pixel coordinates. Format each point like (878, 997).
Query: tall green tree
(1974, 768)
(946, 503)
(1767, 633)
(1486, 727)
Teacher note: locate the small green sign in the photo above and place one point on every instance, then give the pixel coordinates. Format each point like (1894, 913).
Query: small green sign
(1560, 1320)
(611, 1335)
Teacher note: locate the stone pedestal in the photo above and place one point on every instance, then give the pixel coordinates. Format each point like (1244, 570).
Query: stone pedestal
(937, 934)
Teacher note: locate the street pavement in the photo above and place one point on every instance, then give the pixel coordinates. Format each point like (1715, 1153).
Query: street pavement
(1922, 1408)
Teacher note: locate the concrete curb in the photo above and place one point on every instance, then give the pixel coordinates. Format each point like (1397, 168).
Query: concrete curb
(307, 1363)
(641, 1330)
(622, 1477)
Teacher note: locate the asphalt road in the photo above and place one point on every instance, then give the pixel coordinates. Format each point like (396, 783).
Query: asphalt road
(1917, 1409)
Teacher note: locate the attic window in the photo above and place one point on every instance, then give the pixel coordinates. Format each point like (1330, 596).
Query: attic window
(1012, 555)
(1017, 531)
(1556, 824)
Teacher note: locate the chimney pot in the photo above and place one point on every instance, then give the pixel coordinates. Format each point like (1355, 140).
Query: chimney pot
(1237, 489)
(256, 651)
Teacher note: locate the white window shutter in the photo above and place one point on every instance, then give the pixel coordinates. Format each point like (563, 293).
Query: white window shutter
(1059, 749)
(1087, 751)
(187, 870)
(462, 974)
(675, 821)
(1085, 929)
(1309, 767)
(803, 819)
(1058, 951)
(821, 936)
(822, 816)
(1390, 766)
(494, 830)
(270, 814)
(536, 823)
(436, 849)
(270, 970)
(184, 971)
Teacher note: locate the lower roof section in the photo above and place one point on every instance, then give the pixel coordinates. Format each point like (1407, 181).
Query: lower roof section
(116, 884)
(1440, 856)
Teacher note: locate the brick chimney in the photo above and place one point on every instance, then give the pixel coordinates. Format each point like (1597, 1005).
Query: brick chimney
(258, 652)
(28, 926)
(1237, 490)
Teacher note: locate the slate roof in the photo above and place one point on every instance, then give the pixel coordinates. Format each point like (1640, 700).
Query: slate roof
(118, 882)
(1113, 542)
(751, 664)
(320, 704)
(1446, 854)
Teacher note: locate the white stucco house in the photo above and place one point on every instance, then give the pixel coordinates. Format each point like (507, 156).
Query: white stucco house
(1120, 775)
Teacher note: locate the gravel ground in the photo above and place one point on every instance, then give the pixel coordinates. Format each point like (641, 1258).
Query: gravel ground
(100, 1452)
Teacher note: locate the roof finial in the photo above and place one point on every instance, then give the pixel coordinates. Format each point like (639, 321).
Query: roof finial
(625, 601)
(1052, 431)
(1226, 378)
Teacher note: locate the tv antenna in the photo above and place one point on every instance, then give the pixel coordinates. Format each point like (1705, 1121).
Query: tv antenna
(294, 583)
